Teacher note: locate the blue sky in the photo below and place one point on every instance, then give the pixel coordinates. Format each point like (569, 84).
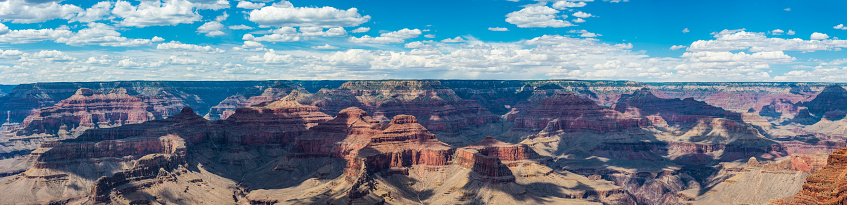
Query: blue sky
(641, 40)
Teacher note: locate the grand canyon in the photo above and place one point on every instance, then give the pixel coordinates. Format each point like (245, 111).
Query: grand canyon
(423, 142)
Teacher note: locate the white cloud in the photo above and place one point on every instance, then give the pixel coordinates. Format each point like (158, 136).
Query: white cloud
(730, 40)
(240, 27)
(325, 47)
(175, 45)
(249, 5)
(103, 35)
(579, 20)
(790, 32)
(318, 31)
(3, 29)
(584, 33)
(157, 39)
(581, 14)
(457, 39)
(211, 29)
(155, 13)
(47, 55)
(284, 14)
(818, 36)
(222, 17)
(33, 35)
(429, 36)
(787, 9)
(538, 17)
(561, 5)
(685, 30)
(100, 11)
(20, 11)
(777, 32)
(497, 29)
(390, 37)
(840, 26)
(677, 47)
(290, 34)
(361, 30)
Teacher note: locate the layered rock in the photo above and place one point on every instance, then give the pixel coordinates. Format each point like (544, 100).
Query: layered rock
(227, 107)
(492, 158)
(675, 112)
(437, 107)
(88, 109)
(279, 122)
(826, 186)
(567, 112)
(830, 104)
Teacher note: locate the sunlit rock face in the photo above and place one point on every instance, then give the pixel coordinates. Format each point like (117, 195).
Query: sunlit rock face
(88, 109)
(826, 186)
(407, 141)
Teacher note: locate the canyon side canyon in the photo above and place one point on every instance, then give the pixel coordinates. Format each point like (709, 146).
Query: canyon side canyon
(423, 142)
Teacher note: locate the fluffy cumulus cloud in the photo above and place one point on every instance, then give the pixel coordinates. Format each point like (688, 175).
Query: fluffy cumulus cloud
(155, 13)
(497, 29)
(677, 47)
(211, 29)
(731, 40)
(284, 14)
(175, 45)
(291, 34)
(581, 14)
(94, 34)
(840, 27)
(818, 36)
(561, 5)
(537, 17)
(777, 32)
(584, 33)
(325, 47)
(457, 39)
(389, 37)
(361, 30)
(249, 5)
(21, 11)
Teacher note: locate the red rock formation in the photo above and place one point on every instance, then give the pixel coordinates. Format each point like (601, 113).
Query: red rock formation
(227, 107)
(404, 143)
(437, 107)
(826, 186)
(831, 103)
(674, 111)
(492, 158)
(567, 112)
(89, 109)
(350, 130)
(278, 122)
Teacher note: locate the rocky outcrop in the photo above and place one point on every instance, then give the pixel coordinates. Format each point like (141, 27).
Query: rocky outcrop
(567, 112)
(350, 130)
(88, 109)
(492, 158)
(826, 186)
(279, 122)
(675, 112)
(227, 107)
(830, 104)
(437, 108)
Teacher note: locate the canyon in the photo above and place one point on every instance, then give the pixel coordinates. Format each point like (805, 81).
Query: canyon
(422, 141)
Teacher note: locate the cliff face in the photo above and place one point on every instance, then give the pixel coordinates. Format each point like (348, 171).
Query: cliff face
(830, 104)
(88, 109)
(437, 107)
(674, 112)
(568, 112)
(277, 122)
(826, 186)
